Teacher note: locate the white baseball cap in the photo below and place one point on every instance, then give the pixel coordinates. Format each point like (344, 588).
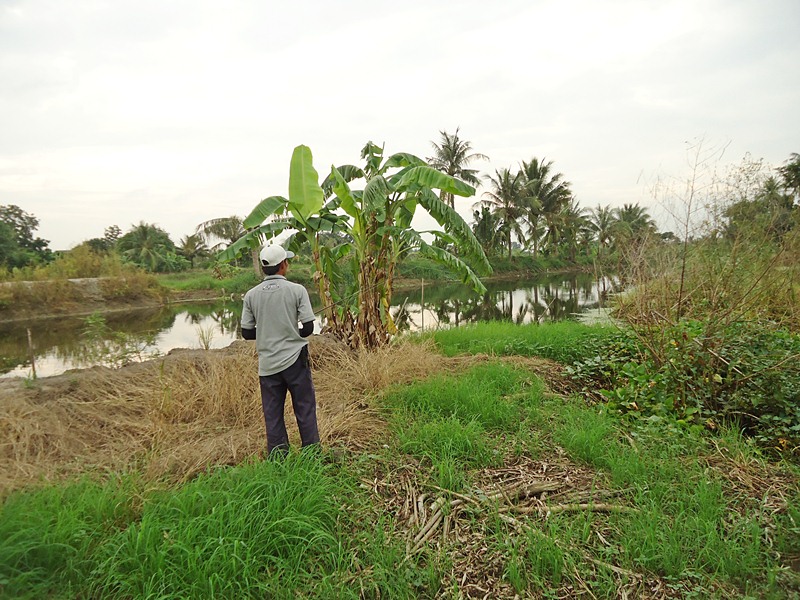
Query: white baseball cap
(273, 255)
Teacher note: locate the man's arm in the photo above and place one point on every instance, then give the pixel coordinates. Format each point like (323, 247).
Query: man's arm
(305, 331)
(248, 320)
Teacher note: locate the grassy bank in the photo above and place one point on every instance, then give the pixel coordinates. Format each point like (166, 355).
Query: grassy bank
(413, 268)
(483, 480)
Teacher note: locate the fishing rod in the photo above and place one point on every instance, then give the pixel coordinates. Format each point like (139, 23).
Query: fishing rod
(372, 287)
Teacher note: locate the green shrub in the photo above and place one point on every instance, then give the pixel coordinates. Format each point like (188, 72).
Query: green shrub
(747, 374)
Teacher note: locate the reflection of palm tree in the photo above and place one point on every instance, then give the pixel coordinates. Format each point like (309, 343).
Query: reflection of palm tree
(402, 317)
(481, 308)
(534, 306)
(442, 311)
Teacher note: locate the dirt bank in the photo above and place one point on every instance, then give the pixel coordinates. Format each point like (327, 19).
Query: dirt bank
(27, 300)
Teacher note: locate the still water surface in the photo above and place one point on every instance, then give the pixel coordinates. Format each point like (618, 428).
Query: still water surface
(67, 343)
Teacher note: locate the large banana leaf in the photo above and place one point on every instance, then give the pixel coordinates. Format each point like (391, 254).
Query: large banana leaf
(329, 222)
(396, 178)
(305, 194)
(267, 207)
(348, 172)
(374, 199)
(454, 224)
(424, 177)
(404, 211)
(342, 191)
(403, 159)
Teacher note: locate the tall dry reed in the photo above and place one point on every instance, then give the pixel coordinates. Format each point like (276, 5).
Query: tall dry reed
(190, 410)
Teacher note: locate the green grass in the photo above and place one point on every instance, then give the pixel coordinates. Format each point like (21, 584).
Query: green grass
(265, 529)
(51, 535)
(480, 395)
(564, 341)
(235, 281)
(306, 528)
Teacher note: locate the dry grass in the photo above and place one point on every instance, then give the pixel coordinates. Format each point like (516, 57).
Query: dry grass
(181, 414)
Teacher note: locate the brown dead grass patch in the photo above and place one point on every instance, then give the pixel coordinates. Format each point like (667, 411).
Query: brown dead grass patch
(190, 410)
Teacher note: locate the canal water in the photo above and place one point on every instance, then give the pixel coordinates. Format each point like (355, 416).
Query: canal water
(61, 344)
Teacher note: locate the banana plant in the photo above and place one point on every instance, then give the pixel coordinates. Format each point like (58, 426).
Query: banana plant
(372, 226)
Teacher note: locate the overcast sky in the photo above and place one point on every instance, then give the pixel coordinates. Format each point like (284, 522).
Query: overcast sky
(175, 112)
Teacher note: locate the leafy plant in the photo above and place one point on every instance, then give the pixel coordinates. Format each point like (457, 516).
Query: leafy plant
(357, 237)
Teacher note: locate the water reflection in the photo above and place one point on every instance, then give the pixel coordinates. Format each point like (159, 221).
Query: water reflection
(553, 298)
(62, 344)
(66, 343)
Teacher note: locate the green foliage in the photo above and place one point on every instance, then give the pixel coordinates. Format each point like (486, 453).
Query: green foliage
(51, 536)
(449, 444)
(230, 280)
(354, 276)
(274, 529)
(305, 528)
(696, 375)
(565, 341)
(18, 245)
(150, 248)
(480, 396)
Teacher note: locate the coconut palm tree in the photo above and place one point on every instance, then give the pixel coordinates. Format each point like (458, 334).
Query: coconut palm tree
(790, 174)
(451, 156)
(507, 201)
(632, 223)
(193, 246)
(575, 226)
(552, 193)
(147, 246)
(485, 227)
(225, 231)
(602, 222)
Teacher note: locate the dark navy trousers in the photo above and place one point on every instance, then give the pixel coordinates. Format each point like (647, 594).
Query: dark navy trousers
(295, 379)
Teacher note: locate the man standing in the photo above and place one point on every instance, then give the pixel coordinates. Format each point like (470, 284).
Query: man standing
(272, 311)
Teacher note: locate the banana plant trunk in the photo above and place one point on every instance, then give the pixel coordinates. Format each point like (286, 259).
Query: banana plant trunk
(370, 329)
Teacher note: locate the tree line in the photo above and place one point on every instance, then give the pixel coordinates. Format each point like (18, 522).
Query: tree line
(530, 209)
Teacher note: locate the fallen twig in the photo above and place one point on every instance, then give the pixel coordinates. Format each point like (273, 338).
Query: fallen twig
(609, 508)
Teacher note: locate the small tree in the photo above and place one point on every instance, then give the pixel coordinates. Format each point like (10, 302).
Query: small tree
(29, 248)
(193, 246)
(148, 246)
(355, 275)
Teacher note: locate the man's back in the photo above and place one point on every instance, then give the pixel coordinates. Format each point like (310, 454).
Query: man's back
(274, 307)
